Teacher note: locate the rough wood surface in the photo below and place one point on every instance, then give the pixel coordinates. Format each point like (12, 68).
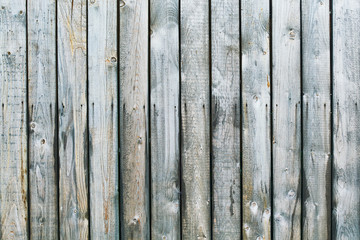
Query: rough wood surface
(256, 138)
(286, 104)
(316, 119)
(72, 101)
(42, 107)
(165, 185)
(346, 104)
(195, 119)
(135, 214)
(225, 52)
(103, 119)
(13, 133)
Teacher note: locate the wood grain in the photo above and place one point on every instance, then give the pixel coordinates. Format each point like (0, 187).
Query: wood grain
(135, 214)
(256, 120)
(103, 119)
(41, 32)
(13, 115)
(316, 119)
(165, 178)
(195, 119)
(286, 104)
(346, 129)
(72, 100)
(225, 52)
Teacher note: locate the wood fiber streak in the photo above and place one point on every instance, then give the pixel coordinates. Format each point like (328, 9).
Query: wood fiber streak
(72, 107)
(225, 37)
(13, 115)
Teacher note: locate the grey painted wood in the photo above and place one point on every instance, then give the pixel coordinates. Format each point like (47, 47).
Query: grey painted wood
(256, 120)
(346, 129)
(41, 32)
(72, 101)
(13, 115)
(316, 119)
(165, 178)
(195, 119)
(225, 52)
(135, 214)
(286, 104)
(103, 119)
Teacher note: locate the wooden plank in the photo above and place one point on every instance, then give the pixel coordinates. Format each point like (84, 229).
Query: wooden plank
(195, 119)
(225, 52)
(346, 168)
(165, 178)
(316, 119)
(256, 120)
(103, 119)
(286, 107)
(72, 99)
(135, 214)
(13, 115)
(42, 106)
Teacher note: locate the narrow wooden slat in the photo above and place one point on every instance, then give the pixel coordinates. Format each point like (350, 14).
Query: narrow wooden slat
(103, 119)
(286, 104)
(346, 104)
(135, 214)
(195, 119)
(316, 119)
(42, 103)
(72, 100)
(165, 184)
(256, 132)
(225, 52)
(13, 114)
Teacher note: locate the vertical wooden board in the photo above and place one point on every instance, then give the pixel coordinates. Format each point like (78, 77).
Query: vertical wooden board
(13, 133)
(346, 168)
(195, 119)
(72, 99)
(225, 52)
(286, 104)
(165, 178)
(42, 103)
(135, 214)
(316, 119)
(256, 120)
(103, 119)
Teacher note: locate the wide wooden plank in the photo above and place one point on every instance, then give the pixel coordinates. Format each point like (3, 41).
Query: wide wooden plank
(13, 115)
(195, 119)
(42, 108)
(286, 108)
(103, 119)
(346, 102)
(225, 52)
(165, 178)
(316, 119)
(256, 120)
(135, 214)
(72, 101)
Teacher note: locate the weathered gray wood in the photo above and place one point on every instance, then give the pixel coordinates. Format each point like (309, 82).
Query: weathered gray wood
(346, 129)
(316, 119)
(195, 119)
(256, 138)
(42, 106)
(72, 100)
(13, 133)
(225, 52)
(103, 119)
(286, 104)
(165, 178)
(135, 214)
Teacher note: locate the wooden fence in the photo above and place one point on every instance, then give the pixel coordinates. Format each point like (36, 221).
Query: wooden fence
(180, 119)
